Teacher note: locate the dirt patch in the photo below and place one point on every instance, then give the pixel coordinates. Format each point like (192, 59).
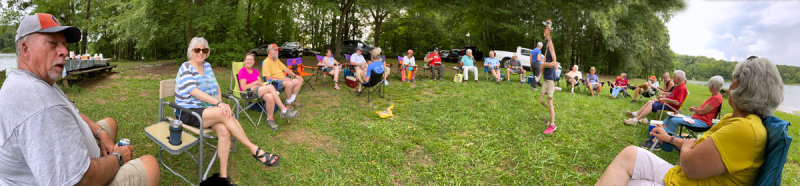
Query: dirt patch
(99, 101)
(93, 82)
(308, 139)
(156, 69)
(419, 157)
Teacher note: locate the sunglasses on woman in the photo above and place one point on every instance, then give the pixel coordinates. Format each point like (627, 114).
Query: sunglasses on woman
(198, 50)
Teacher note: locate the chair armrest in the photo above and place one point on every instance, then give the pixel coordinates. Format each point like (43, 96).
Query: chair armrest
(184, 109)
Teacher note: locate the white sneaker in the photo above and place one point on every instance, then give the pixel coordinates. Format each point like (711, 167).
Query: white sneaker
(385, 82)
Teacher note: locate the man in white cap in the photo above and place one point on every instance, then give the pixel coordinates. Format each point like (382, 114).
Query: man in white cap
(357, 60)
(275, 71)
(43, 139)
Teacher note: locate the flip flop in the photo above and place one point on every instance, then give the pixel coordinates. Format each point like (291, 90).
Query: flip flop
(268, 157)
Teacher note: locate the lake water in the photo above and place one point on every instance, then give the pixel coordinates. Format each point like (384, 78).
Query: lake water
(790, 104)
(8, 61)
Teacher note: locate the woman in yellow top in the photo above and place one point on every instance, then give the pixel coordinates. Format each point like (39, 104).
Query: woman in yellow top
(730, 153)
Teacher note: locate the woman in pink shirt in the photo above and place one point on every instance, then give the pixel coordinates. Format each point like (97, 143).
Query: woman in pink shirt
(249, 79)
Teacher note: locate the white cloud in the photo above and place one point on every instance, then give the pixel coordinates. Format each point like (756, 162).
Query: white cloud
(780, 14)
(733, 30)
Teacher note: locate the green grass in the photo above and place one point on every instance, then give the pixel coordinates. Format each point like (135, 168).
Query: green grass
(443, 132)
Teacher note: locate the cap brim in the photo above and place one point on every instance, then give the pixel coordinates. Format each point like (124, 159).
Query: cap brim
(72, 34)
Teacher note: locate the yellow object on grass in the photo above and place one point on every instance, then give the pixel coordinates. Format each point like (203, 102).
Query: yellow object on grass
(386, 113)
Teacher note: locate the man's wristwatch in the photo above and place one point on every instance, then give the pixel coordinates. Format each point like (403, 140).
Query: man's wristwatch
(119, 158)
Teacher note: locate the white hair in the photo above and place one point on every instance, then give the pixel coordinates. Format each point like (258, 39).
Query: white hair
(715, 83)
(539, 44)
(680, 74)
(760, 89)
(375, 53)
(19, 42)
(469, 50)
(193, 43)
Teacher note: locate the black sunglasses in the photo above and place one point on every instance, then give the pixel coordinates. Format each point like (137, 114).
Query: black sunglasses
(198, 50)
(752, 57)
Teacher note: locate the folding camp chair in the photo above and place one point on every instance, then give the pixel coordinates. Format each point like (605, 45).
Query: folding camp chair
(402, 69)
(778, 143)
(693, 131)
(239, 102)
(159, 133)
(321, 75)
(296, 64)
(521, 78)
(374, 87)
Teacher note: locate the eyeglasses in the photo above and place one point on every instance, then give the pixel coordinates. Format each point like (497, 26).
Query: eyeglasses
(198, 50)
(752, 57)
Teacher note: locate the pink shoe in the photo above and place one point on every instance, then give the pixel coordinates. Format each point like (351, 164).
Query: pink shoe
(550, 129)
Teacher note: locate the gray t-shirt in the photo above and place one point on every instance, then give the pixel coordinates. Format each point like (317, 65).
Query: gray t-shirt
(43, 140)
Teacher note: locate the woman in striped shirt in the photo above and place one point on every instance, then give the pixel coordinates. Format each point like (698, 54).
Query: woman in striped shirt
(196, 88)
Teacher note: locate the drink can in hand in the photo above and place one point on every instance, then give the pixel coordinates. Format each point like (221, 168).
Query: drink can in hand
(124, 142)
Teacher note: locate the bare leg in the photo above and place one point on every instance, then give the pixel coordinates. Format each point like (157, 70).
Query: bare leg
(112, 127)
(620, 170)
(213, 116)
(508, 73)
(552, 111)
(645, 110)
(298, 84)
(269, 105)
(223, 148)
(636, 94)
(152, 169)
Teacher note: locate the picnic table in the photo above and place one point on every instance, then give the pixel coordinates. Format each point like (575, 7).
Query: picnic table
(79, 69)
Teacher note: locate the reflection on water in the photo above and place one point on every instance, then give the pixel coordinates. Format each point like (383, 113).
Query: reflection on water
(790, 104)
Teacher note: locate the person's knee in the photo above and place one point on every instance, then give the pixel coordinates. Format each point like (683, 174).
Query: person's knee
(629, 152)
(151, 168)
(223, 133)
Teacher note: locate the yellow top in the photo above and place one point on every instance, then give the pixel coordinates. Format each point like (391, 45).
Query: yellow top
(741, 143)
(273, 68)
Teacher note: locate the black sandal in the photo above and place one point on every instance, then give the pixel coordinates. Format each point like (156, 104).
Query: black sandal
(269, 157)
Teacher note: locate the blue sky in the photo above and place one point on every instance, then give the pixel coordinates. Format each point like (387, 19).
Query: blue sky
(734, 30)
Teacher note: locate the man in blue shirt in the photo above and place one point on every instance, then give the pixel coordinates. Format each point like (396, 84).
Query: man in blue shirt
(375, 66)
(535, 62)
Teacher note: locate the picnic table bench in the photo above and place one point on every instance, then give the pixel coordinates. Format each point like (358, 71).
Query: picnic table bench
(85, 73)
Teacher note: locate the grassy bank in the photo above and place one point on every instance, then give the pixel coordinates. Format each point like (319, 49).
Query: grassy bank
(443, 132)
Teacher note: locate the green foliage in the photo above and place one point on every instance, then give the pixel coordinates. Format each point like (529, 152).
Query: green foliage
(702, 68)
(614, 36)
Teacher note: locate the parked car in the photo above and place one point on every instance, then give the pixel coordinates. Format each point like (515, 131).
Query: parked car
(349, 47)
(477, 54)
(260, 51)
(291, 49)
(309, 52)
(523, 55)
(444, 54)
(453, 56)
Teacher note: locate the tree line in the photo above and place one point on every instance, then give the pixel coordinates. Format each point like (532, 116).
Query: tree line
(702, 68)
(614, 36)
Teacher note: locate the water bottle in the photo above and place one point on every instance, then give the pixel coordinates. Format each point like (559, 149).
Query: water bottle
(175, 131)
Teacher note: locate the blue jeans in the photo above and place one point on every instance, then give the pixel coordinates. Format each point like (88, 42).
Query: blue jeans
(615, 91)
(672, 123)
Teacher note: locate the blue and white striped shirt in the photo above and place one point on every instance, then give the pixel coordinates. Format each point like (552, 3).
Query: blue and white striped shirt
(189, 79)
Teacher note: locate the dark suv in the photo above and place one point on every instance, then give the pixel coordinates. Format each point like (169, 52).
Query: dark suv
(291, 49)
(349, 47)
(477, 54)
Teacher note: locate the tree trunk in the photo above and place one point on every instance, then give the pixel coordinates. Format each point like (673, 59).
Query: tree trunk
(85, 32)
(344, 8)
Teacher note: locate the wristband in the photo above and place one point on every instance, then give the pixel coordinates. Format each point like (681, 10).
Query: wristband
(671, 139)
(119, 158)
(98, 132)
(220, 101)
